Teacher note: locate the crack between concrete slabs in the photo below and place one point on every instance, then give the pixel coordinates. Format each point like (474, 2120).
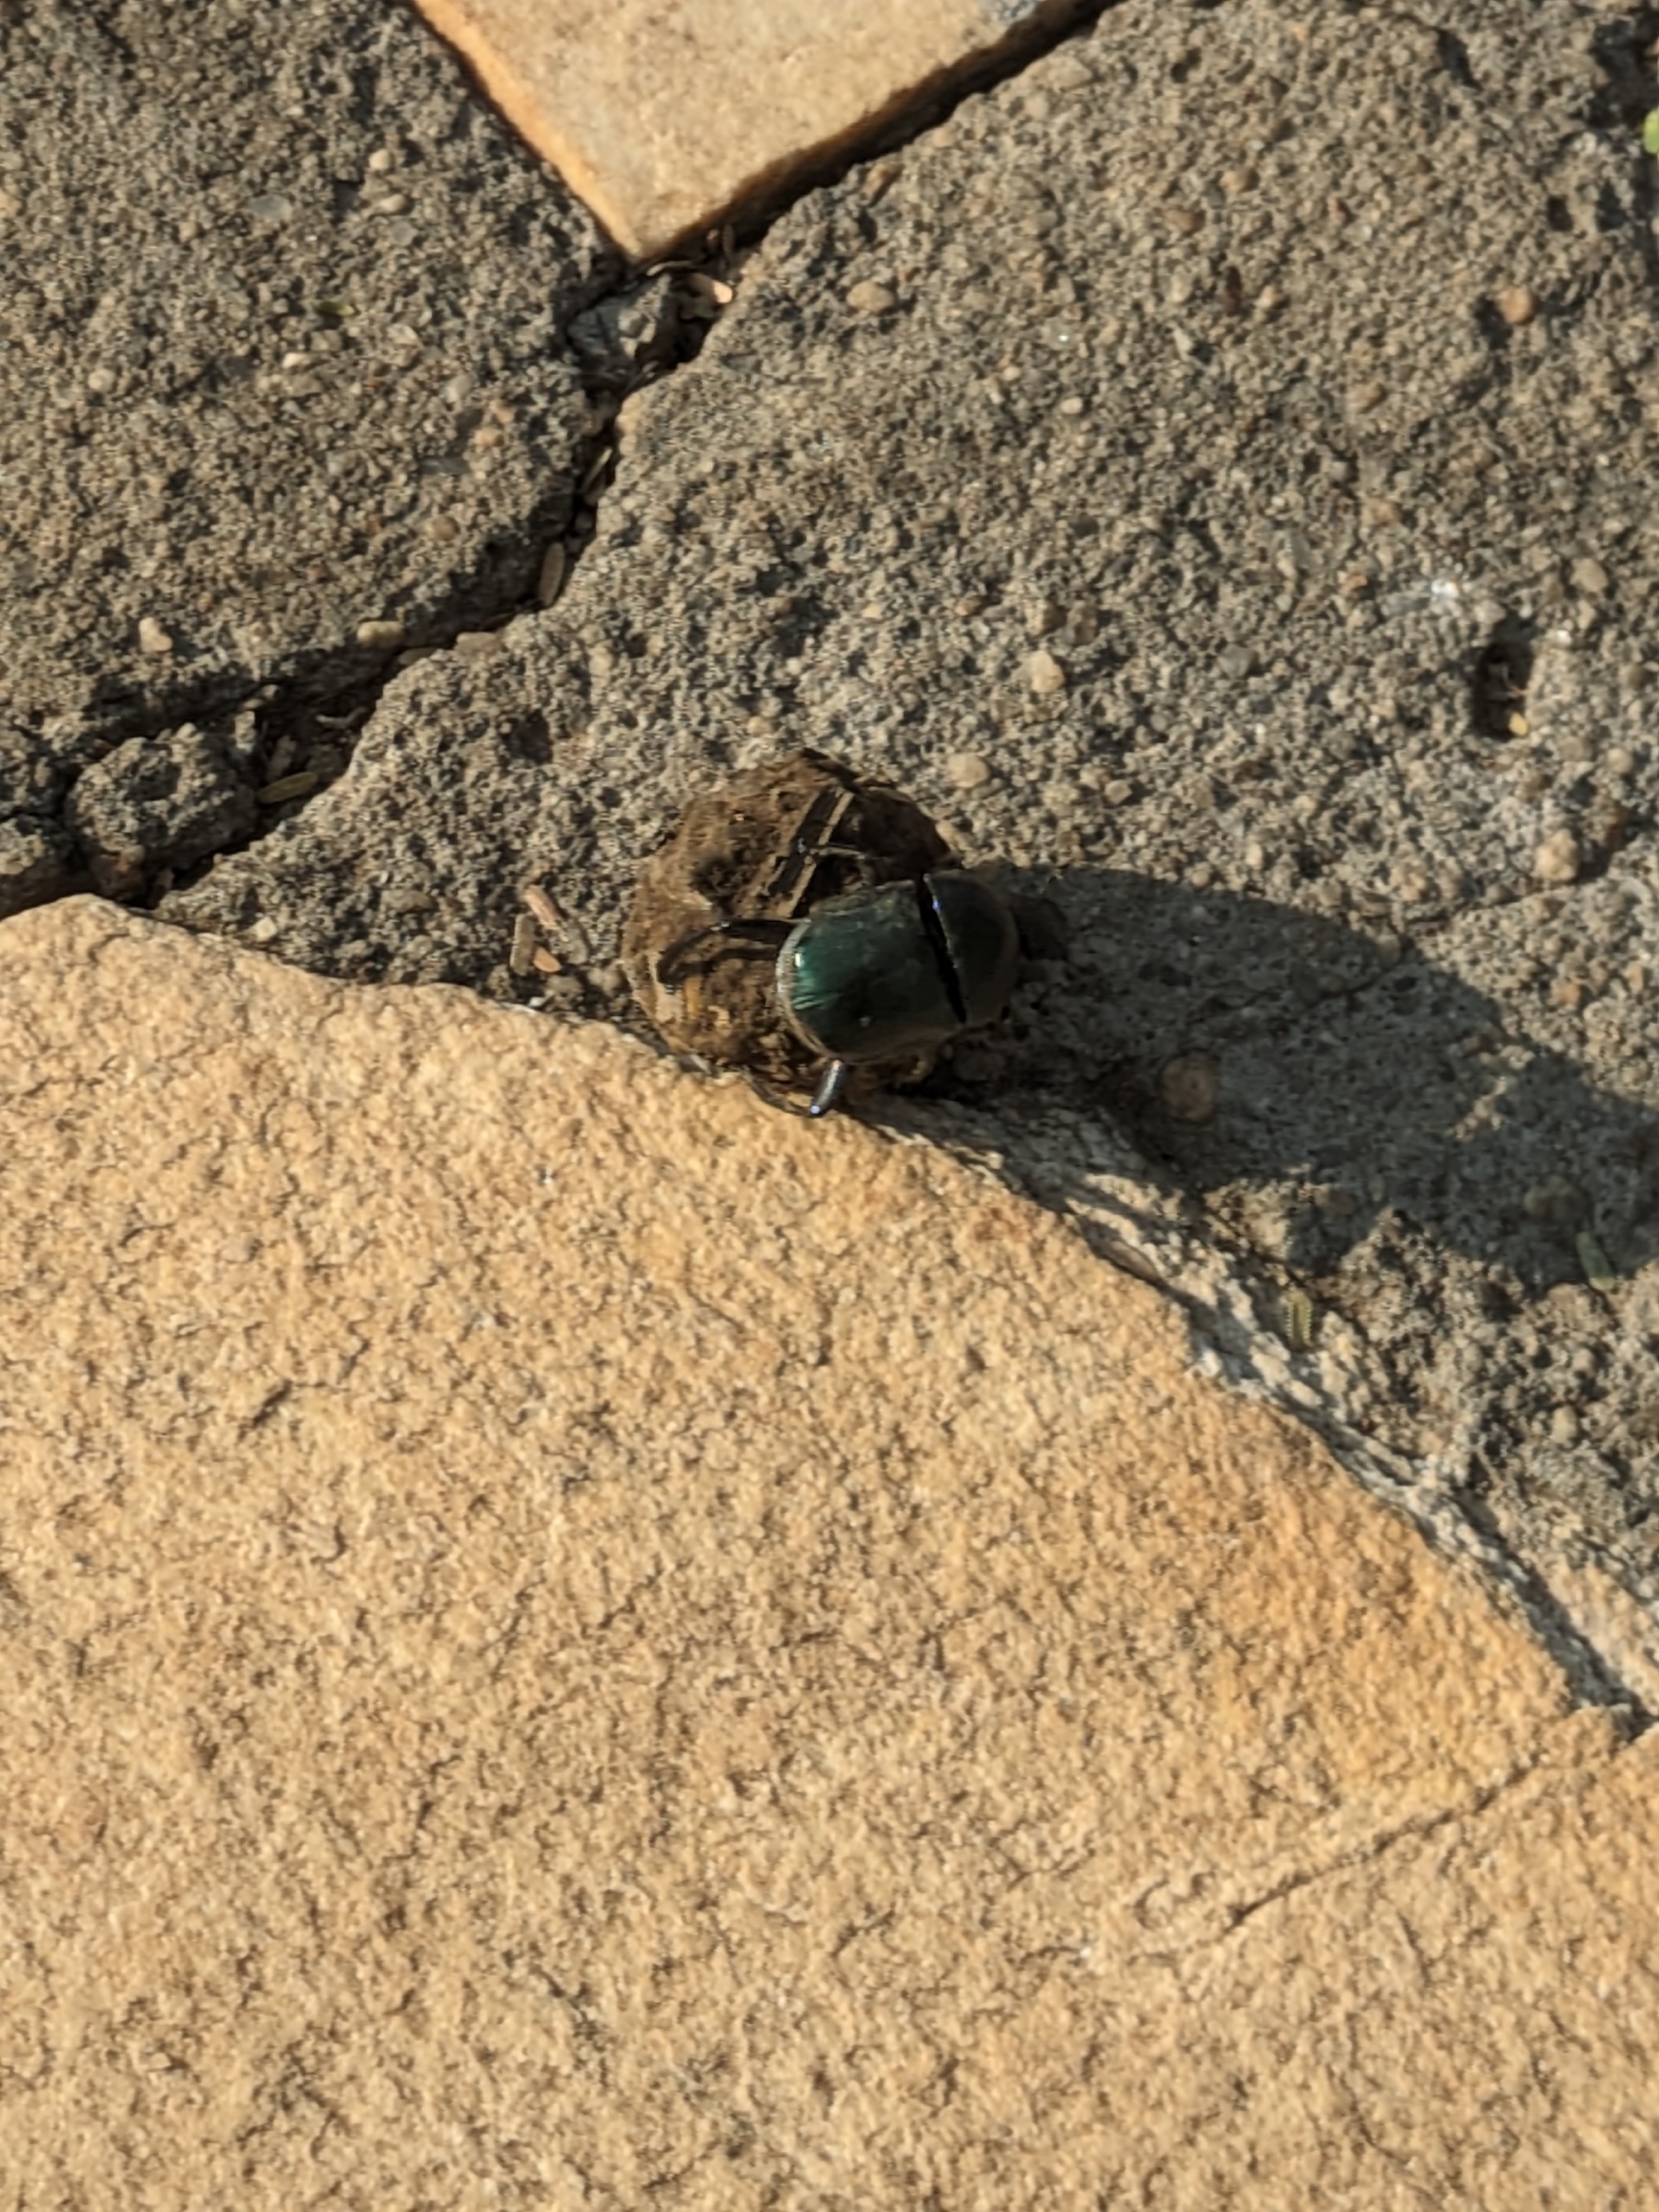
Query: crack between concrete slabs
(1417, 1829)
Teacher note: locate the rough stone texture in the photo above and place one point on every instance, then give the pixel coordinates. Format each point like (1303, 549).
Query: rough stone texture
(666, 118)
(572, 1641)
(279, 349)
(1205, 380)
(158, 801)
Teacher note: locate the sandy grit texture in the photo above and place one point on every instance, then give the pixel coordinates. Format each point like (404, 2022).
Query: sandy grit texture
(570, 1640)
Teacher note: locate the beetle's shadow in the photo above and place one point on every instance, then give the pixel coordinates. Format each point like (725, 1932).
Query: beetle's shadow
(1353, 1077)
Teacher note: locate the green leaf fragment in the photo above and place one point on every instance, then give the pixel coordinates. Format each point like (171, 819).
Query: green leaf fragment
(1299, 1320)
(1650, 133)
(1599, 1270)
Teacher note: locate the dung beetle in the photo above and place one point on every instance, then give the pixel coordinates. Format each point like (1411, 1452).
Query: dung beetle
(889, 972)
(807, 922)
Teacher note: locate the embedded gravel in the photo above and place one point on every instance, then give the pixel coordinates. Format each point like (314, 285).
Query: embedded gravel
(1212, 471)
(280, 356)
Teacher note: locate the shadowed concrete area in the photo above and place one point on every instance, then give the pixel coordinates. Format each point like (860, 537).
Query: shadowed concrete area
(569, 1639)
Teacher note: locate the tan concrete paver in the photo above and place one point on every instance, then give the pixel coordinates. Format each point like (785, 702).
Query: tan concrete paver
(570, 1640)
(664, 116)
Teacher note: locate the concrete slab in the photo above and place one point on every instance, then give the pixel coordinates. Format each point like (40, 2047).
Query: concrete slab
(666, 119)
(1155, 472)
(284, 306)
(571, 1639)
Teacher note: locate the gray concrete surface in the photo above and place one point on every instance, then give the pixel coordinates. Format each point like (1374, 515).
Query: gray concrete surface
(282, 308)
(1211, 471)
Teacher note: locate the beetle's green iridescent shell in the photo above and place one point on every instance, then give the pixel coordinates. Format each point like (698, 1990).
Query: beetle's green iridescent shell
(876, 975)
(860, 979)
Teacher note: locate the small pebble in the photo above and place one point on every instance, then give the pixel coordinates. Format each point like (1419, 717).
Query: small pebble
(967, 772)
(444, 529)
(1072, 404)
(1564, 1426)
(522, 958)
(1517, 304)
(297, 785)
(1619, 761)
(1190, 1086)
(550, 581)
(1044, 674)
(100, 380)
(477, 645)
(152, 638)
(380, 160)
(1385, 513)
(1588, 575)
(536, 897)
(1118, 793)
(1368, 394)
(1068, 72)
(265, 929)
(1556, 860)
(867, 297)
(380, 637)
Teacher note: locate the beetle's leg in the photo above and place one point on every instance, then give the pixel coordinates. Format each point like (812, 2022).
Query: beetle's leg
(831, 1084)
(759, 934)
(827, 1096)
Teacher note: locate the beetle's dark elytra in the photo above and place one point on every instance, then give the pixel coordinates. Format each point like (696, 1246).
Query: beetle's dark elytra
(898, 968)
